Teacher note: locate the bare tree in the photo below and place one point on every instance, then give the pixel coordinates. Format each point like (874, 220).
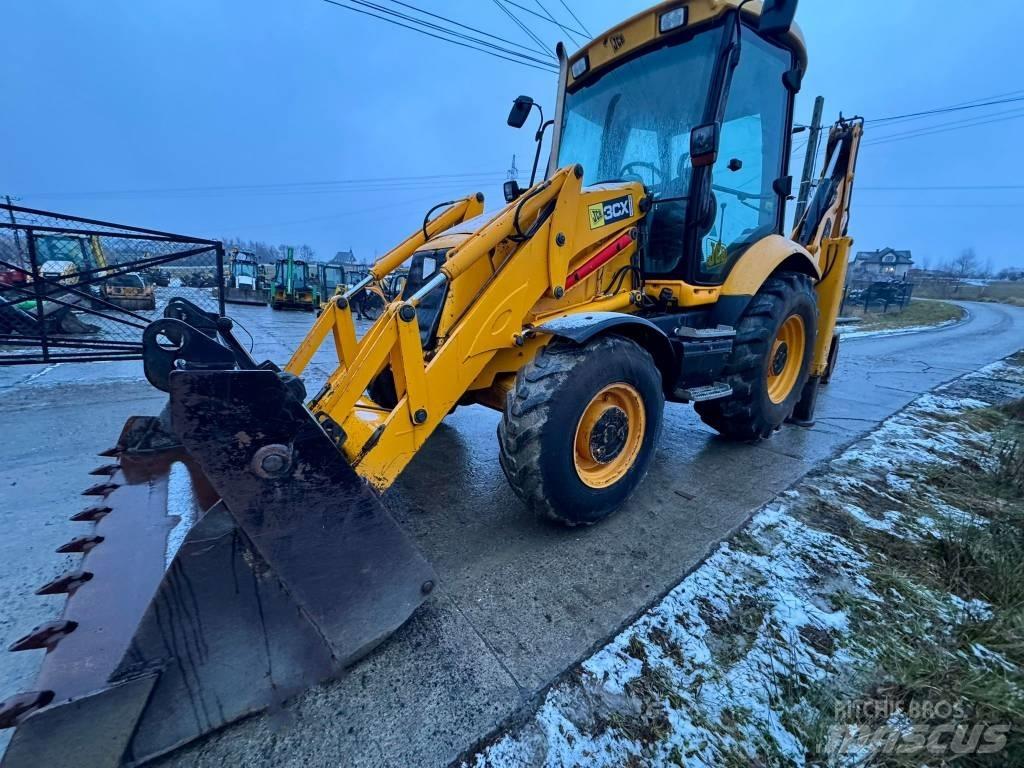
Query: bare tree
(965, 264)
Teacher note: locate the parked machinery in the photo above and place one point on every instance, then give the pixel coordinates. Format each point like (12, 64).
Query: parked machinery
(244, 281)
(331, 282)
(292, 287)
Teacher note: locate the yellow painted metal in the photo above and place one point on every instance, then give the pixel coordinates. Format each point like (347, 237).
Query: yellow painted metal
(786, 358)
(686, 294)
(641, 31)
(832, 246)
(621, 400)
(498, 288)
(459, 211)
(762, 259)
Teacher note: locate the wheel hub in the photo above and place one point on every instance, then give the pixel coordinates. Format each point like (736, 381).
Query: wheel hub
(609, 435)
(779, 359)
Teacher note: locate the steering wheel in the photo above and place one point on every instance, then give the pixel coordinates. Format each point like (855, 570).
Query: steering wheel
(643, 164)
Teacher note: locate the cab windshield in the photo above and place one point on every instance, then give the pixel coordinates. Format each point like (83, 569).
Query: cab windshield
(634, 122)
(246, 269)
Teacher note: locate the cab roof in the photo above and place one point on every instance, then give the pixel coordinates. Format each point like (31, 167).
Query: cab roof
(641, 30)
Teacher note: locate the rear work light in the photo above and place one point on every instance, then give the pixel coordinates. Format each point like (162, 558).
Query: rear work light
(672, 20)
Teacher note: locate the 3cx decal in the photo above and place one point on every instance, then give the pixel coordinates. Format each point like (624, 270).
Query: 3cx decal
(610, 211)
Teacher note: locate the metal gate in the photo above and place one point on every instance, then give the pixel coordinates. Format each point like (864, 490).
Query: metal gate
(75, 289)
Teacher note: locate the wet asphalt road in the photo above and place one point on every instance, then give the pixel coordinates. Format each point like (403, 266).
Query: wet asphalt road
(518, 600)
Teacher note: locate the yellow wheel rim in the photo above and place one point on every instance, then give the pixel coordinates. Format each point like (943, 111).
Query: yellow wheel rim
(609, 435)
(786, 358)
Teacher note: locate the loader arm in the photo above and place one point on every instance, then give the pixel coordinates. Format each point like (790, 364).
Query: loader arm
(824, 227)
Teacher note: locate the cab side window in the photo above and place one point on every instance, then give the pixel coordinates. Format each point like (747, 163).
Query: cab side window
(749, 157)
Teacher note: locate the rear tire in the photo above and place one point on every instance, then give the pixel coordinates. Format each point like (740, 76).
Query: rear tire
(770, 362)
(580, 427)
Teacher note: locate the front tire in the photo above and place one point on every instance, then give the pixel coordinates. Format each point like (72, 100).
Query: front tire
(770, 361)
(580, 428)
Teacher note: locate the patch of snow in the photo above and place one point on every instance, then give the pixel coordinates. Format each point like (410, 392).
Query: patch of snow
(851, 332)
(697, 678)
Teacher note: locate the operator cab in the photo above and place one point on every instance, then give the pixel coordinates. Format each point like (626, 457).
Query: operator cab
(695, 101)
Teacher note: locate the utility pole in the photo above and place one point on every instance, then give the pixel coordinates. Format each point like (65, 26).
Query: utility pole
(809, 157)
(513, 172)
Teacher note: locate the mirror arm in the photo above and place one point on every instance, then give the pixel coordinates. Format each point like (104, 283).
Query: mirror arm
(540, 143)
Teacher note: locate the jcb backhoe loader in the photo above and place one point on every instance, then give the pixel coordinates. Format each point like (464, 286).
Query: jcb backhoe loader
(292, 287)
(648, 265)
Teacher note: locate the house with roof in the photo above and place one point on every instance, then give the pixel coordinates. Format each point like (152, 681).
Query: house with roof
(883, 264)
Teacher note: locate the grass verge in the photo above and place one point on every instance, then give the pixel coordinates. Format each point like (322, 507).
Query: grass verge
(917, 313)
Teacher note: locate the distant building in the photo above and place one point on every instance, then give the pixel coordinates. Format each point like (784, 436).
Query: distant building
(884, 264)
(344, 258)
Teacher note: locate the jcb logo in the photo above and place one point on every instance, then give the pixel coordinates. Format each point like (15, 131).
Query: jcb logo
(610, 211)
(616, 41)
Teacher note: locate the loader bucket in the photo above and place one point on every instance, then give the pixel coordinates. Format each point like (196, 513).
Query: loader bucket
(234, 559)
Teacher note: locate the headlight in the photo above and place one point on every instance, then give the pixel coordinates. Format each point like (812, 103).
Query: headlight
(579, 67)
(672, 19)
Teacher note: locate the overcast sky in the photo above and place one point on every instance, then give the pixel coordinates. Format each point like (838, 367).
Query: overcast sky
(133, 110)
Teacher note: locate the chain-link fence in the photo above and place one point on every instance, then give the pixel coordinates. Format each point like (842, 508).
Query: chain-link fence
(74, 289)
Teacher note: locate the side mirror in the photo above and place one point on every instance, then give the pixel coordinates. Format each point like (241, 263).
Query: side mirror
(520, 111)
(776, 17)
(704, 144)
(511, 190)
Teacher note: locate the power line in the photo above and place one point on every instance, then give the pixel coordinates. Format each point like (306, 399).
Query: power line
(445, 30)
(940, 187)
(465, 26)
(524, 60)
(943, 110)
(970, 102)
(539, 16)
(575, 18)
(377, 181)
(521, 25)
(945, 128)
(548, 13)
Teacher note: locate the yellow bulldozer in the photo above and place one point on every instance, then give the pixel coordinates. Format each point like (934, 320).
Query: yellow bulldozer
(238, 550)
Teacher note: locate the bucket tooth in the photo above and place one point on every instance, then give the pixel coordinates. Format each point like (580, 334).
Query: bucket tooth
(106, 469)
(45, 635)
(100, 489)
(110, 453)
(14, 709)
(80, 544)
(65, 584)
(90, 514)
